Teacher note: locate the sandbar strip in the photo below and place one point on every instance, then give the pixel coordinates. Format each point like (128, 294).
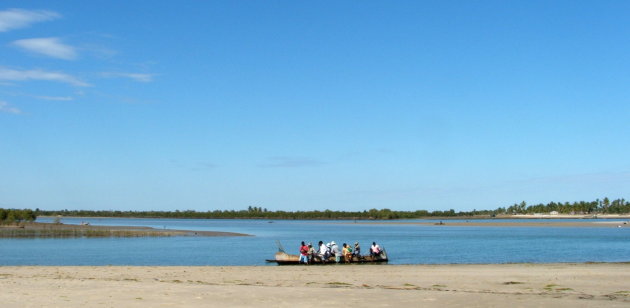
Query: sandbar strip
(63, 230)
(503, 285)
(524, 223)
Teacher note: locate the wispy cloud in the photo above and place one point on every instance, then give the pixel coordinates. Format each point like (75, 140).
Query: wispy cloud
(48, 46)
(135, 76)
(5, 107)
(17, 18)
(290, 162)
(25, 75)
(98, 51)
(201, 166)
(55, 98)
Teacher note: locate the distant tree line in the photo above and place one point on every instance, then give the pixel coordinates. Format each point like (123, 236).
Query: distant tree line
(604, 206)
(256, 213)
(13, 216)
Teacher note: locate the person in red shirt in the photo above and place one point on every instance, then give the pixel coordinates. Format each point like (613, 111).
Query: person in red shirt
(303, 253)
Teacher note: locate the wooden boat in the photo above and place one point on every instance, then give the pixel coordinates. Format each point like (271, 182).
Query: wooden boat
(283, 258)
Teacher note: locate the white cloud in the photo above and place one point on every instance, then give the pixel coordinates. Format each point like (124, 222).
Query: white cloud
(48, 46)
(17, 18)
(135, 76)
(100, 52)
(56, 98)
(18, 75)
(5, 107)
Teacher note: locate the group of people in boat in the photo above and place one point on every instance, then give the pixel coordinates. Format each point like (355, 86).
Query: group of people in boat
(325, 252)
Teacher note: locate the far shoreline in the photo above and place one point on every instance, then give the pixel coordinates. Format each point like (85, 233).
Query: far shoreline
(476, 217)
(518, 220)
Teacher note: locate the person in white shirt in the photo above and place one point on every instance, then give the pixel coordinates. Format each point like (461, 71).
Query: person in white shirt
(375, 250)
(323, 251)
(335, 251)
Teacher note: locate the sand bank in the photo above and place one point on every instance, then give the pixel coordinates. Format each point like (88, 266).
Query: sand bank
(520, 285)
(35, 229)
(524, 223)
(565, 216)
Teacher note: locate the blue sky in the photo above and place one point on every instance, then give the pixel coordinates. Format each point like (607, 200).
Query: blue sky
(291, 105)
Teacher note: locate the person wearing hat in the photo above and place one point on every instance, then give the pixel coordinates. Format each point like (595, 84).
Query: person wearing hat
(357, 249)
(303, 253)
(335, 251)
(311, 253)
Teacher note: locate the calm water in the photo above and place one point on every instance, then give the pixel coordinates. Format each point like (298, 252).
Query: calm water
(405, 244)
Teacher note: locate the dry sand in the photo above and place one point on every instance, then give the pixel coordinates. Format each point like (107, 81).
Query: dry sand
(508, 285)
(523, 223)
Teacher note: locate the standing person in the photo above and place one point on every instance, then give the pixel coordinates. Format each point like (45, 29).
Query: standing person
(375, 250)
(335, 251)
(323, 251)
(303, 253)
(357, 249)
(311, 253)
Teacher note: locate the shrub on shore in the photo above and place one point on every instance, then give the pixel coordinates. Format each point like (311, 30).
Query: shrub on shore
(13, 216)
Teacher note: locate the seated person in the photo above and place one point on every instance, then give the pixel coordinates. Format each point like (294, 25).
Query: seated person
(347, 252)
(357, 250)
(375, 250)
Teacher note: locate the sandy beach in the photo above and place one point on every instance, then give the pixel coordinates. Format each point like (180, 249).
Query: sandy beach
(506, 285)
(603, 223)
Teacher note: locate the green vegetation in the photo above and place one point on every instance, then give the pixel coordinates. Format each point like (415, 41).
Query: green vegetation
(513, 282)
(257, 213)
(555, 287)
(604, 206)
(12, 216)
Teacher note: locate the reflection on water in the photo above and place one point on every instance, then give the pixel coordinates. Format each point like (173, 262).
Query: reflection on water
(405, 244)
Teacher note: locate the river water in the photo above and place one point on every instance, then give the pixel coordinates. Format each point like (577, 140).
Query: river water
(405, 243)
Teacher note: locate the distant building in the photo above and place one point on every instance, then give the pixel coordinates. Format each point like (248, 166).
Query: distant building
(553, 213)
